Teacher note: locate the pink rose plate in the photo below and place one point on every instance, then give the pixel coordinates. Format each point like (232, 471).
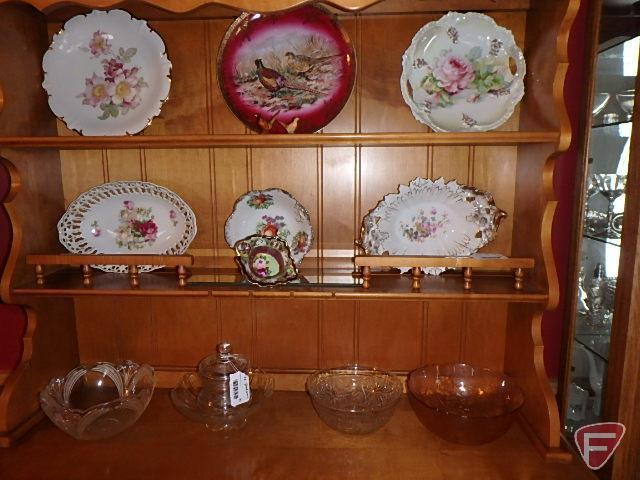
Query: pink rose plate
(289, 72)
(463, 73)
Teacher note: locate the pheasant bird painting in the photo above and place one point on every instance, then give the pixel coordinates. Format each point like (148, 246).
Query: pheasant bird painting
(273, 80)
(303, 64)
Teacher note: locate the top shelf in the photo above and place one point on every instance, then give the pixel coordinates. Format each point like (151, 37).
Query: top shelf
(276, 140)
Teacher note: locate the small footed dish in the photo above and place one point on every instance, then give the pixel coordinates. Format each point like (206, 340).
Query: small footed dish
(100, 401)
(265, 261)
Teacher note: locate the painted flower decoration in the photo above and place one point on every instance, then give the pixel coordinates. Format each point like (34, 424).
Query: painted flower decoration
(260, 200)
(99, 43)
(137, 228)
(453, 73)
(119, 88)
(173, 216)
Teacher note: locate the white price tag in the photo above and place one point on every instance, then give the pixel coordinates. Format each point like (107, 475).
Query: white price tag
(239, 389)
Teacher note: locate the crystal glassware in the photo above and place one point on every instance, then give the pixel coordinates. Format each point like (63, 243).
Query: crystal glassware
(99, 401)
(464, 404)
(625, 100)
(611, 185)
(211, 396)
(353, 398)
(600, 101)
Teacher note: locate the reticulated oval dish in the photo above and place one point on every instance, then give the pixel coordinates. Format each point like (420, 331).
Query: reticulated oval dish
(127, 218)
(272, 213)
(434, 218)
(106, 73)
(463, 73)
(289, 72)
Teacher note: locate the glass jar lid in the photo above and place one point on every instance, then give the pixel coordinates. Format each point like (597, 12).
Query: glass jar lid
(222, 363)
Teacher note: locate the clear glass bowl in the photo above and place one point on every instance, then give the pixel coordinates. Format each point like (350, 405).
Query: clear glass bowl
(354, 399)
(464, 404)
(625, 100)
(99, 401)
(191, 400)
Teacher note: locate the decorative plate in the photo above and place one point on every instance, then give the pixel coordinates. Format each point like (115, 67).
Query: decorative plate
(457, 74)
(286, 73)
(106, 73)
(265, 261)
(273, 213)
(127, 218)
(431, 218)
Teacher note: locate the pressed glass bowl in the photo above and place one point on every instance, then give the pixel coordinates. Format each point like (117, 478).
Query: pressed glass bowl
(464, 404)
(354, 399)
(99, 401)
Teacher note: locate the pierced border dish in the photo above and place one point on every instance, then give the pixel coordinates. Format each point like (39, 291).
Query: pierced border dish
(456, 74)
(106, 73)
(256, 256)
(119, 218)
(434, 218)
(272, 213)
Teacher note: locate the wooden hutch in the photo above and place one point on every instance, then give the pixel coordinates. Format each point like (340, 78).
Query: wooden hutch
(200, 150)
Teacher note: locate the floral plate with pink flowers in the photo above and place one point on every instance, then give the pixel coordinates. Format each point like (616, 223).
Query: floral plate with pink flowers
(272, 213)
(106, 73)
(434, 218)
(463, 73)
(127, 218)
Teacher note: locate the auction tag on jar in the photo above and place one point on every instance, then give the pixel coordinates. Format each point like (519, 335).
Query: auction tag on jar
(239, 389)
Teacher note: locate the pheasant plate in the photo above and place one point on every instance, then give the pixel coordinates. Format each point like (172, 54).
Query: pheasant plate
(286, 73)
(435, 218)
(127, 218)
(106, 73)
(272, 213)
(463, 73)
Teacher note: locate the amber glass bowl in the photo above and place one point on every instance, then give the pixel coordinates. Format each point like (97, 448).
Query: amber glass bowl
(464, 404)
(354, 399)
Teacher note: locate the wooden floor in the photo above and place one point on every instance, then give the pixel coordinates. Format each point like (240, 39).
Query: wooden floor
(285, 440)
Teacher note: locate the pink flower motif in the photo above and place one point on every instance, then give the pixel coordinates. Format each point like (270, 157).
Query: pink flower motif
(173, 215)
(128, 204)
(99, 43)
(147, 229)
(113, 68)
(96, 92)
(453, 73)
(125, 90)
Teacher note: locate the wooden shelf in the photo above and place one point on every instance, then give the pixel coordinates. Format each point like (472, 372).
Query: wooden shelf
(273, 140)
(68, 283)
(282, 440)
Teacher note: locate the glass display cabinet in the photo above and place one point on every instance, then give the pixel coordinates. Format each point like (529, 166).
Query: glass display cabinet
(600, 317)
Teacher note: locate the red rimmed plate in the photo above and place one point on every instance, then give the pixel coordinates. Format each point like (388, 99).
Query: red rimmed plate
(291, 72)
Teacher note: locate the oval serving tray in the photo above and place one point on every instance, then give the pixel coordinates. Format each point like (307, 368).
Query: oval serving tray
(273, 213)
(435, 218)
(457, 74)
(288, 72)
(127, 217)
(106, 73)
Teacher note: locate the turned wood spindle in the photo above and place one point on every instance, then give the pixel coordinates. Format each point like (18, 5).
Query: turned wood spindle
(366, 277)
(134, 276)
(519, 278)
(39, 275)
(467, 274)
(416, 276)
(182, 275)
(87, 279)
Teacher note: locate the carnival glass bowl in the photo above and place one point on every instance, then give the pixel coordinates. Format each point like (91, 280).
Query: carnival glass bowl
(99, 401)
(464, 404)
(354, 399)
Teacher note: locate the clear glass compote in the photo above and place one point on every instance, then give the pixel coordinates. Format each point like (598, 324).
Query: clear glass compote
(611, 186)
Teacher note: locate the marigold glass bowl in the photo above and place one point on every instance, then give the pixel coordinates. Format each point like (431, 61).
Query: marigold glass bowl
(98, 401)
(354, 399)
(464, 404)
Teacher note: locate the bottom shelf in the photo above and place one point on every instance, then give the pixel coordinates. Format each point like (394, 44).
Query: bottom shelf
(286, 439)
